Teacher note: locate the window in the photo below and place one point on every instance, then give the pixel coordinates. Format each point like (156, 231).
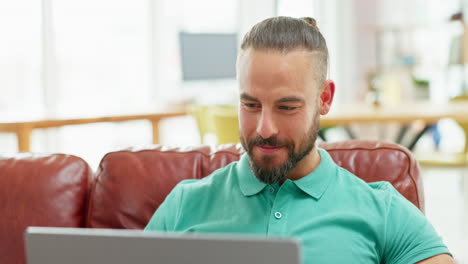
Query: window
(20, 58)
(91, 58)
(102, 53)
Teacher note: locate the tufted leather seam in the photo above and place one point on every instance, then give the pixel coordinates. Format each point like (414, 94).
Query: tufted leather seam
(91, 193)
(181, 151)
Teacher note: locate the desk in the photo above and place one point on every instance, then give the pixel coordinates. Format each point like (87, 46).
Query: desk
(404, 114)
(340, 114)
(24, 129)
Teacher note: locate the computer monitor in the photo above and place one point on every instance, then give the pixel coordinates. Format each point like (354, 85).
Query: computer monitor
(208, 56)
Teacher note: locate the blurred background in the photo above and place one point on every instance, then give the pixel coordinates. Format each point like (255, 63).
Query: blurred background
(72, 59)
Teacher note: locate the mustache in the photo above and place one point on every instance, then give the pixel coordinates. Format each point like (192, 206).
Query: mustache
(271, 141)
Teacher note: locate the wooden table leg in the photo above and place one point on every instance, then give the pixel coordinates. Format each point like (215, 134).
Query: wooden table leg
(155, 126)
(23, 134)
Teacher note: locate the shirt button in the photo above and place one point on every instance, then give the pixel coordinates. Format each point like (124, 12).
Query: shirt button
(272, 190)
(278, 215)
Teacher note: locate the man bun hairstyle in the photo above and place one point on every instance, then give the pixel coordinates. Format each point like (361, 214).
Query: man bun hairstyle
(311, 21)
(285, 34)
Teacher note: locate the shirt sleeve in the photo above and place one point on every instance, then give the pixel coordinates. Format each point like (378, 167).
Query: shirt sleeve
(409, 237)
(165, 216)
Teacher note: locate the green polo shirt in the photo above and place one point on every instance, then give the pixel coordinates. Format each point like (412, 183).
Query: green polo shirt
(338, 217)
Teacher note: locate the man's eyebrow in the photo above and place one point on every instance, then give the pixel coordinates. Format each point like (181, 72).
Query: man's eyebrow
(290, 99)
(247, 97)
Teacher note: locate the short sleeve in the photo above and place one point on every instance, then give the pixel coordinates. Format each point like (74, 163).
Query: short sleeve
(409, 236)
(165, 216)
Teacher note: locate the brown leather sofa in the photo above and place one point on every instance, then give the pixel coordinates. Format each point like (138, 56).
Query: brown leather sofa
(60, 190)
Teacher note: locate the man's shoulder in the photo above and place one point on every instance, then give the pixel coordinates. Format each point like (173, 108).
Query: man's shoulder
(346, 182)
(387, 192)
(352, 180)
(383, 187)
(380, 192)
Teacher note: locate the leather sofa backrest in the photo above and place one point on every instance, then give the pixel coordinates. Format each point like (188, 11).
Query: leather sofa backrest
(39, 191)
(131, 184)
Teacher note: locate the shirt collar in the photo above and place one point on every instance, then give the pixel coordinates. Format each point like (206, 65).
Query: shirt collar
(314, 184)
(249, 184)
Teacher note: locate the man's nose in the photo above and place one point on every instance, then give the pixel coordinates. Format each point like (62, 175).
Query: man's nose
(266, 126)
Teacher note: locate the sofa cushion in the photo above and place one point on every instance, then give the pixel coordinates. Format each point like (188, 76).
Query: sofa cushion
(39, 191)
(131, 184)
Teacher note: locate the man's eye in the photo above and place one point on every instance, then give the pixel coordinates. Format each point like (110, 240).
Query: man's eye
(251, 105)
(287, 108)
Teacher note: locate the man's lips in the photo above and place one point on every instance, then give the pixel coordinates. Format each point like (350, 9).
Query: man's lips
(268, 149)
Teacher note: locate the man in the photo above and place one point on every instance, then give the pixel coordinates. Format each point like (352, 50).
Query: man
(284, 185)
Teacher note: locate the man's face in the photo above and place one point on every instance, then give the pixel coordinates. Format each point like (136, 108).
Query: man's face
(279, 110)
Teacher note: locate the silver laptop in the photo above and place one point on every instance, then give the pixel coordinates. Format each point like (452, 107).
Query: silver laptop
(48, 245)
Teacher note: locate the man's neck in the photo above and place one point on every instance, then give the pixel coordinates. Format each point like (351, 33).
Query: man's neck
(307, 165)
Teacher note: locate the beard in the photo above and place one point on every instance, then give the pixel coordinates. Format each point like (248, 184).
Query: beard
(273, 174)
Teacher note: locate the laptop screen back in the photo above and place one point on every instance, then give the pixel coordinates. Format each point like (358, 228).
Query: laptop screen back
(79, 245)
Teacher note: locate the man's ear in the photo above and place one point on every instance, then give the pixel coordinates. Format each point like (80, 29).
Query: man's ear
(326, 96)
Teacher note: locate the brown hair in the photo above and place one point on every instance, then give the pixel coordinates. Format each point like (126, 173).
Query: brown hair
(286, 34)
